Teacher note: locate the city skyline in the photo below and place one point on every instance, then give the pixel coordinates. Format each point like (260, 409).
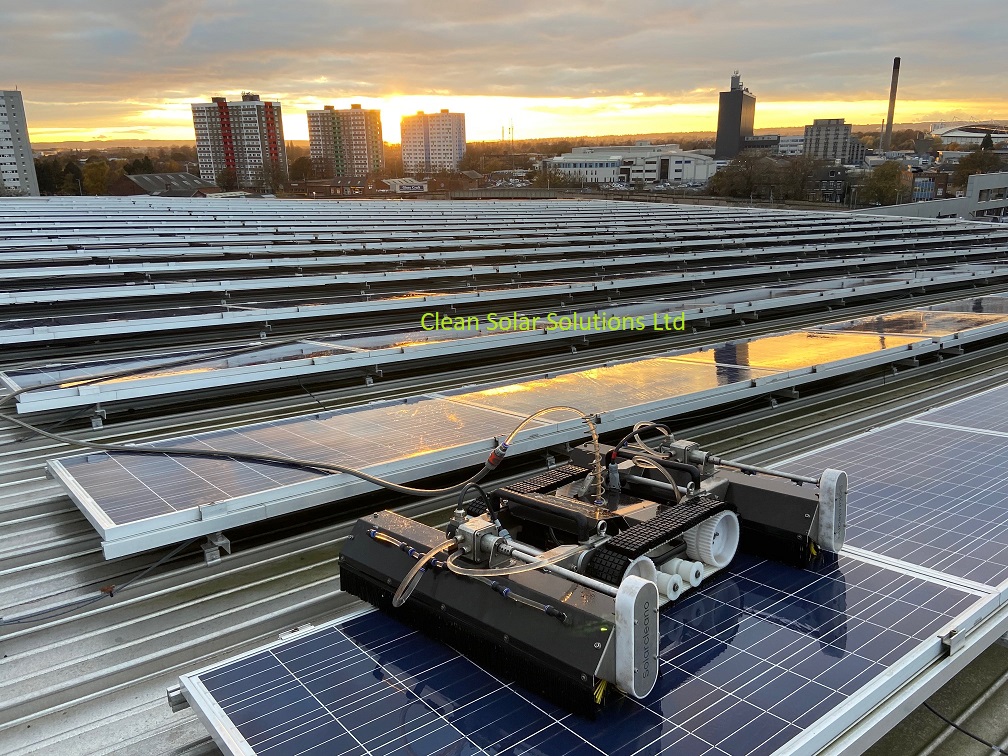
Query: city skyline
(118, 72)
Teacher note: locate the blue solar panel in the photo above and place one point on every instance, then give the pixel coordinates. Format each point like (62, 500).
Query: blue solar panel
(748, 662)
(931, 496)
(983, 412)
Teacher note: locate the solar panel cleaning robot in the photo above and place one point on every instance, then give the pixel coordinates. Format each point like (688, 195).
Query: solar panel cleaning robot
(556, 580)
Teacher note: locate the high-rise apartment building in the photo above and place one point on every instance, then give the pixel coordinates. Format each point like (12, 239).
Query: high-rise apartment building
(736, 113)
(831, 139)
(345, 142)
(17, 166)
(246, 137)
(433, 141)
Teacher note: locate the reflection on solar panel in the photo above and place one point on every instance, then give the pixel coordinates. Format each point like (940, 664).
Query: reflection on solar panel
(934, 496)
(154, 501)
(385, 439)
(996, 304)
(606, 389)
(920, 322)
(336, 352)
(747, 663)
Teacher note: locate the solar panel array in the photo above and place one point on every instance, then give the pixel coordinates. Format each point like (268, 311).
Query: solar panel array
(759, 658)
(931, 491)
(299, 261)
(747, 663)
(152, 500)
(59, 386)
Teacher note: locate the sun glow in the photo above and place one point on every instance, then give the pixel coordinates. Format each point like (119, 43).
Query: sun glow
(489, 118)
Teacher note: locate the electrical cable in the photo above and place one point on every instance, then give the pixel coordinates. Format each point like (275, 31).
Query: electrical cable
(110, 591)
(963, 730)
(483, 495)
(315, 398)
(495, 458)
(599, 498)
(266, 459)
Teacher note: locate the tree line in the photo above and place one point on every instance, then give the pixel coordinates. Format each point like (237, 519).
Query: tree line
(757, 174)
(91, 172)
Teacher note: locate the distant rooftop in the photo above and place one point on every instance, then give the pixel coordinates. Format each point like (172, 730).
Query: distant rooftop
(162, 183)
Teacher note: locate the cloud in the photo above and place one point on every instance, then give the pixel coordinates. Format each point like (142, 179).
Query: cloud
(158, 52)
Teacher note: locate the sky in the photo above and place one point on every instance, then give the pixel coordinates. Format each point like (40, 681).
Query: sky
(129, 69)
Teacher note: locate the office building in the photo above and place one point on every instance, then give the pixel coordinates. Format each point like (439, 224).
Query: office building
(767, 142)
(929, 185)
(831, 139)
(736, 112)
(244, 136)
(433, 141)
(640, 163)
(17, 166)
(791, 145)
(345, 142)
(985, 199)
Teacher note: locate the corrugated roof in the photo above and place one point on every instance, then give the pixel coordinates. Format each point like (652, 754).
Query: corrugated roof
(93, 680)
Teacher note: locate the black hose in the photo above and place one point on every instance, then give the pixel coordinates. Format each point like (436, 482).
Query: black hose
(636, 432)
(491, 507)
(693, 470)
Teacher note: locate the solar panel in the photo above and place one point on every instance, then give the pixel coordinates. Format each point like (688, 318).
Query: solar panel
(930, 496)
(419, 438)
(748, 662)
(335, 352)
(995, 304)
(613, 387)
(919, 322)
(982, 412)
(130, 488)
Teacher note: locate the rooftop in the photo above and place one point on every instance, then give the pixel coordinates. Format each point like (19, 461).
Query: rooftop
(346, 281)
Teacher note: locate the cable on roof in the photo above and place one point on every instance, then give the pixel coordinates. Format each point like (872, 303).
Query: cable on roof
(109, 591)
(963, 730)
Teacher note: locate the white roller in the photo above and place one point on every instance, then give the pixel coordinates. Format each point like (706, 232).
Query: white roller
(688, 571)
(715, 540)
(642, 567)
(669, 585)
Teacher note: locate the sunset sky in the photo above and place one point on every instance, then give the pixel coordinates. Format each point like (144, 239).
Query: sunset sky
(128, 69)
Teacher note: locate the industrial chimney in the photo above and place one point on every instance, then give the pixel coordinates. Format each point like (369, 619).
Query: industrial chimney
(887, 137)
